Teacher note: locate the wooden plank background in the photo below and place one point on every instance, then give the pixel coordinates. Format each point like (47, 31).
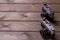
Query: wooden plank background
(26, 7)
(24, 15)
(20, 36)
(29, 1)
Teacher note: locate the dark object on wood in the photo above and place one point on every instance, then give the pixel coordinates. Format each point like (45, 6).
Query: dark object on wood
(47, 12)
(47, 15)
(48, 30)
(45, 36)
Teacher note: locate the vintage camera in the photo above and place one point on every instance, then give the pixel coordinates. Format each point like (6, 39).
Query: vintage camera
(47, 12)
(48, 30)
(47, 15)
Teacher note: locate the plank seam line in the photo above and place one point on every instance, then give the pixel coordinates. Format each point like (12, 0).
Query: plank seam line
(28, 3)
(22, 21)
(19, 31)
(16, 31)
(28, 11)
(19, 20)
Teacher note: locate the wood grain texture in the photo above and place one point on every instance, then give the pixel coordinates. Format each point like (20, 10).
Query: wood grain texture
(57, 16)
(20, 36)
(57, 36)
(55, 7)
(20, 26)
(23, 11)
(57, 26)
(24, 26)
(24, 16)
(27, 7)
(20, 7)
(20, 15)
(29, 1)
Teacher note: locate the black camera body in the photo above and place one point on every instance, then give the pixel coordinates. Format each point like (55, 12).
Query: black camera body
(47, 12)
(47, 15)
(48, 30)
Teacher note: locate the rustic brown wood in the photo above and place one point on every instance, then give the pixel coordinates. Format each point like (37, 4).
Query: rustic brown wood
(20, 26)
(20, 15)
(29, 1)
(57, 16)
(57, 26)
(20, 36)
(55, 7)
(20, 7)
(24, 26)
(26, 7)
(24, 16)
(57, 36)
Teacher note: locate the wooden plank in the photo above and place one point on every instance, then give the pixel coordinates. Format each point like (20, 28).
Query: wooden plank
(57, 26)
(20, 7)
(20, 36)
(29, 1)
(24, 26)
(16, 34)
(24, 16)
(20, 15)
(55, 7)
(56, 16)
(27, 7)
(57, 36)
(20, 26)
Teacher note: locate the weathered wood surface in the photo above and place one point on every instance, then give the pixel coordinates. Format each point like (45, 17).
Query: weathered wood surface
(20, 26)
(20, 36)
(57, 16)
(57, 36)
(24, 36)
(24, 16)
(24, 26)
(20, 15)
(27, 7)
(57, 26)
(23, 11)
(29, 1)
(20, 7)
